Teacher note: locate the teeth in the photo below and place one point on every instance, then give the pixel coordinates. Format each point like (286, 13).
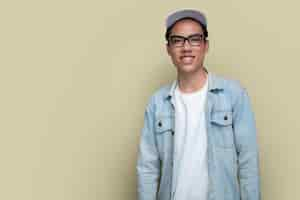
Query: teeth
(187, 59)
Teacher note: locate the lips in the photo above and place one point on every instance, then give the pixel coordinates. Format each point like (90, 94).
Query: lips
(187, 58)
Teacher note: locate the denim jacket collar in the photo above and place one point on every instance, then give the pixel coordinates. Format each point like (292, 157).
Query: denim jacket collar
(214, 84)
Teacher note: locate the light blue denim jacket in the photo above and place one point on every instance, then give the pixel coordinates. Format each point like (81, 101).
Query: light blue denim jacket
(233, 164)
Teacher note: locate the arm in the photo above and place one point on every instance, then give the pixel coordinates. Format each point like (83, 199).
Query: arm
(148, 164)
(247, 148)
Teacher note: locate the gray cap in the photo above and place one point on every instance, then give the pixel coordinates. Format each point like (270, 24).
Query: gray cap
(185, 13)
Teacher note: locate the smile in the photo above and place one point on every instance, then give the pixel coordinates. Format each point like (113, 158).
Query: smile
(187, 58)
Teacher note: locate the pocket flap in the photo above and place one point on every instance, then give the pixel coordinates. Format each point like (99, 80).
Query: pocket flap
(222, 118)
(163, 124)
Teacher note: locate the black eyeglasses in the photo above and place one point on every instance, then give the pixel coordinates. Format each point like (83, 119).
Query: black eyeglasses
(178, 40)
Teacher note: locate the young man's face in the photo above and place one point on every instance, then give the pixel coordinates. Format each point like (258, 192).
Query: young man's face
(188, 58)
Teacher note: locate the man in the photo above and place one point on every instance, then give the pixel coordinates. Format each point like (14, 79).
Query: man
(199, 135)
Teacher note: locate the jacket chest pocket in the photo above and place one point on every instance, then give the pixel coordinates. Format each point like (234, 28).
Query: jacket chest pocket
(164, 130)
(221, 129)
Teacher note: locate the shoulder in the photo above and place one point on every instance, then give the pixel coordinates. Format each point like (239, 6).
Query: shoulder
(163, 91)
(228, 85)
(159, 95)
(232, 89)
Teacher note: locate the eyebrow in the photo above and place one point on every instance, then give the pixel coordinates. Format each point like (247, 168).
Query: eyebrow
(195, 34)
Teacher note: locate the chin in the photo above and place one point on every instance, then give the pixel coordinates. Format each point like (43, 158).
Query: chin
(187, 68)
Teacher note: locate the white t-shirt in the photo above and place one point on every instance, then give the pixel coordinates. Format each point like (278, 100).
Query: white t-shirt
(190, 150)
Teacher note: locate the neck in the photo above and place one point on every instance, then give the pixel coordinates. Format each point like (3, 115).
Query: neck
(189, 83)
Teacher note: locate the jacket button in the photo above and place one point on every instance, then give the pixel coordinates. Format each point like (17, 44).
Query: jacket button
(225, 117)
(159, 124)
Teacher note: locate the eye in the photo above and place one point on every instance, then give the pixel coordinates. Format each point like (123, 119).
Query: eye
(196, 39)
(176, 40)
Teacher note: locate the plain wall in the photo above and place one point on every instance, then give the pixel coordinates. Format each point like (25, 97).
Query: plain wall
(75, 77)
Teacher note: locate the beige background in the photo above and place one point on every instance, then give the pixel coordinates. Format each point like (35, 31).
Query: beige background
(75, 77)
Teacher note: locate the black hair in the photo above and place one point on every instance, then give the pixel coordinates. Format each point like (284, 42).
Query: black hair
(204, 28)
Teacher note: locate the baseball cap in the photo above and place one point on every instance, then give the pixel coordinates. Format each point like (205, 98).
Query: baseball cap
(185, 13)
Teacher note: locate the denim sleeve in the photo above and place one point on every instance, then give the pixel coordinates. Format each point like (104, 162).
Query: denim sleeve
(247, 148)
(148, 164)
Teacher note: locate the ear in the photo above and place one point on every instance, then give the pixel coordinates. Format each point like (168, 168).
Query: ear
(168, 49)
(206, 46)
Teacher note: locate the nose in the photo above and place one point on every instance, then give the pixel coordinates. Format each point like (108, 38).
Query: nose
(186, 44)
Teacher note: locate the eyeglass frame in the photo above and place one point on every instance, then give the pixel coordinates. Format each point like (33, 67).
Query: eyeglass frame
(203, 38)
